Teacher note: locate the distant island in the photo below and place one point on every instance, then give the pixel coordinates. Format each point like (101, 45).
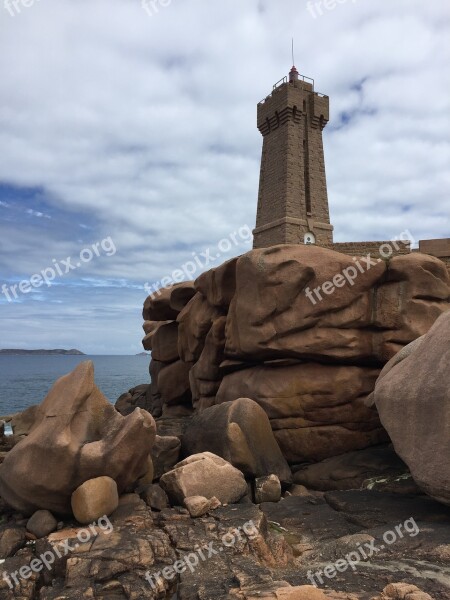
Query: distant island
(143, 354)
(17, 352)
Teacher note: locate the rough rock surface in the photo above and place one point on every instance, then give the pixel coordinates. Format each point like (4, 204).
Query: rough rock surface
(77, 435)
(403, 591)
(353, 470)
(413, 399)
(11, 539)
(137, 397)
(166, 303)
(316, 411)
(165, 454)
(240, 433)
(205, 475)
(273, 318)
(149, 475)
(22, 422)
(164, 344)
(154, 496)
(251, 331)
(270, 558)
(199, 505)
(173, 383)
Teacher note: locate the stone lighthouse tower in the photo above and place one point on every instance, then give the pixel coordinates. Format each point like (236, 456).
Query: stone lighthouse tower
(293, 200)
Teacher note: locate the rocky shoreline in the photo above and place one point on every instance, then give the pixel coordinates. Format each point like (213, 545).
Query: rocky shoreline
(282, 450)
(292, 540)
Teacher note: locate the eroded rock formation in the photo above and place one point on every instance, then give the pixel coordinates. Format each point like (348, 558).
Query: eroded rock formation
(77, 435)
(250, 329)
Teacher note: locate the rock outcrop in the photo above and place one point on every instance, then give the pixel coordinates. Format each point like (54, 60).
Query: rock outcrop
(271, 326)
(315, 410)
(77, 435)
(375, 466)
(412, 396)
(165, 454)
(137, 397)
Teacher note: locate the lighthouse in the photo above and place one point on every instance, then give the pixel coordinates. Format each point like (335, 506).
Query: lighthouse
(293, 199)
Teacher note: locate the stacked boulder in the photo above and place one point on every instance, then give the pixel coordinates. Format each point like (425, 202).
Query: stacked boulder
(285, 327)
(169, 373)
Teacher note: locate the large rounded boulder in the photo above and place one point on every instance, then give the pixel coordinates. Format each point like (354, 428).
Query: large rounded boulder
(239, 432)
(206, 475)
(412, 396)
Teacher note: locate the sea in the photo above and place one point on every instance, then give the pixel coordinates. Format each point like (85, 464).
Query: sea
(26, 380)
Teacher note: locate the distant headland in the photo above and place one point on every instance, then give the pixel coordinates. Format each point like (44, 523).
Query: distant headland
(42, 352)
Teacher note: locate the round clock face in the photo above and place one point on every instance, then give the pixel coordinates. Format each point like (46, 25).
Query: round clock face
(309, 238)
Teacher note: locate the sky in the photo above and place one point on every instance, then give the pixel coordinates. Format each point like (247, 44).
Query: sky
(129, 148)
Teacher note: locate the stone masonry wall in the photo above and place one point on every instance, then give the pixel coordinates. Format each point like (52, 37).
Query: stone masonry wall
(375, 249)
(293, 192)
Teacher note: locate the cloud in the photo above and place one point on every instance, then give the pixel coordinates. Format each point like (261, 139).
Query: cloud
(115, 123)
(36, 213)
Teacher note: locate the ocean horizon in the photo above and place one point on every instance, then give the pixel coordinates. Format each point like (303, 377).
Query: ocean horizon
(26, 380)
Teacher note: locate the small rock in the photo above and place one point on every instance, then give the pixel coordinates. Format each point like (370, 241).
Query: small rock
(304, 592)
(155, 497)
(95, 498)
(11, 540)
(42, 523)
(402, 591)
(267, 489)
(199, 505)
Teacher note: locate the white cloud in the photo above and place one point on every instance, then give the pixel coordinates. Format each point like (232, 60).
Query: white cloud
(147, 125)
